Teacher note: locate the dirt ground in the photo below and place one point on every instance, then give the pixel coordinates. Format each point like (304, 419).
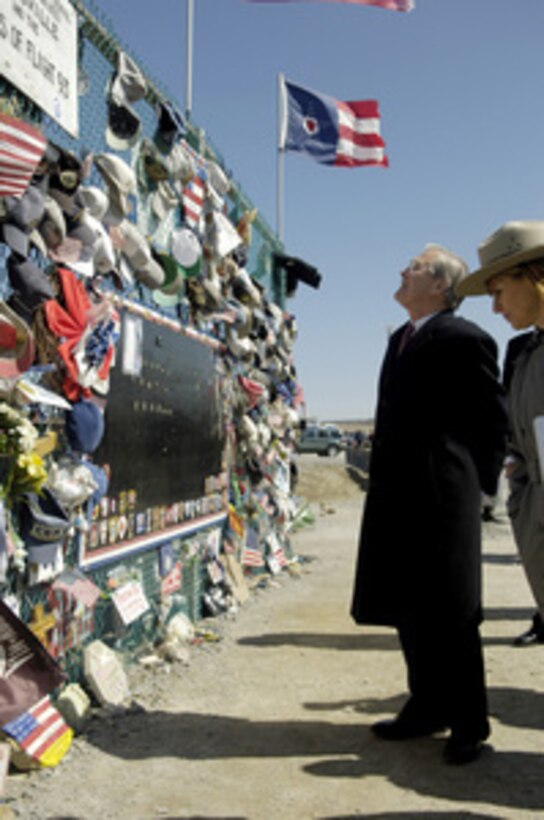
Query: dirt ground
(272, 721)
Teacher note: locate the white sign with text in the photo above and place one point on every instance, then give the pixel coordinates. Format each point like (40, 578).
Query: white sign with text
(38, 55)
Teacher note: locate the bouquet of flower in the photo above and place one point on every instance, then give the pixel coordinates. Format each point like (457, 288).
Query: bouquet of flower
(22, 470)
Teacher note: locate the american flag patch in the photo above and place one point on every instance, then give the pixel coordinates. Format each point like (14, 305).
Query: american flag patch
(41, 732)
(21, 149)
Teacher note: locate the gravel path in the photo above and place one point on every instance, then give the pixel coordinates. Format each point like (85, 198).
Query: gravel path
(272, 721)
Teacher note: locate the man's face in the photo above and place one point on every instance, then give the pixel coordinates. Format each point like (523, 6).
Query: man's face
(420, 292)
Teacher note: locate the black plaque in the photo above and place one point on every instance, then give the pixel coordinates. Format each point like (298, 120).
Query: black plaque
(164, 427)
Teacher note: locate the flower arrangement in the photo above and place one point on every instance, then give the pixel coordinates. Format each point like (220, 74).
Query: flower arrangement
(23, 469)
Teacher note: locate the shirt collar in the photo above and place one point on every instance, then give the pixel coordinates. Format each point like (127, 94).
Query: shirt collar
(418, 324)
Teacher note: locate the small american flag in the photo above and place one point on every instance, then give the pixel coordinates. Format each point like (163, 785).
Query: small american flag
(193, 195)
(21, 149)
(277, 550)
(41, 732)
(251, 554)
(251, 557)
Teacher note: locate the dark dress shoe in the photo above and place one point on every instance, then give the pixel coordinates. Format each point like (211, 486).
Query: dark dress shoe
(535, 633)
(457, 752)
(399, 729)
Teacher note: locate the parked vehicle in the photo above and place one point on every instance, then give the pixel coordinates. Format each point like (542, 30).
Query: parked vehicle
(323, 440)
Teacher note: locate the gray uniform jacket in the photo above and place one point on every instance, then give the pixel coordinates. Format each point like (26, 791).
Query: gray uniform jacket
(526, 501)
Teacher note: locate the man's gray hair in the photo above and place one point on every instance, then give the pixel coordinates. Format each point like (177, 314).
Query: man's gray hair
(449, 266)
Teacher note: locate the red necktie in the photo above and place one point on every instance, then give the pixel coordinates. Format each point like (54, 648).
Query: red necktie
(407, 334)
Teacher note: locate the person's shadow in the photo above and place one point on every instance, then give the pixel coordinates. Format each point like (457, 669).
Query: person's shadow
(350, 750)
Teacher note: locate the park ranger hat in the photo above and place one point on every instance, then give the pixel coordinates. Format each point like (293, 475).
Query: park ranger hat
(508, 247)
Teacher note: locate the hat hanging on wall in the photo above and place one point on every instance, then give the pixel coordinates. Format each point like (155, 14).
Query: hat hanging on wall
(121, 182)
(170, 127)
(129, 83)
(43, 520)
(152, 163)
(31, 286)
(23, 214)
(181, 163)
(66, 172)
(137, 252)
(163, 200)
(123, 128)
(51, 231)
(217, 178)
(224, 236)
(16, 344)
(128, 86)
(95, 200)
(187, 250)
(174, 273)
(84, 426)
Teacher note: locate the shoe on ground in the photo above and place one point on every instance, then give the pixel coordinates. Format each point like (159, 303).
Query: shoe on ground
(399, 729)
(457, 752)
(489, 515)
(535, 634)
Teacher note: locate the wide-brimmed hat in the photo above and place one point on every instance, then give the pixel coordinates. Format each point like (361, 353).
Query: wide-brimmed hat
(16, 344)
(137, 252)
(95, 200)
(121, 182)
(508, 247)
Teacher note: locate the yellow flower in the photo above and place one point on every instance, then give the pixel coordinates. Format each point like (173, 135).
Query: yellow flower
(29, 473)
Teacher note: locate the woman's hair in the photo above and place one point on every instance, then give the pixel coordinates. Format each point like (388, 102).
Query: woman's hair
(449, 266)
(534, 271)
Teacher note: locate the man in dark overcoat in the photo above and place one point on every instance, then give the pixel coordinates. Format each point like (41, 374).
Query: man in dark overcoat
(439, 442)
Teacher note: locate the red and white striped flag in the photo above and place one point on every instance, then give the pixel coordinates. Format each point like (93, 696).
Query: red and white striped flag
(277, 550)
(393, 5)
(21, 149)
(193, 195)
(251, 557)
(41, 732)
(251, 554)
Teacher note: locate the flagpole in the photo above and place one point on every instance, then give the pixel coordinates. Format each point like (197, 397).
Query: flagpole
(189, 61)
(281, 154)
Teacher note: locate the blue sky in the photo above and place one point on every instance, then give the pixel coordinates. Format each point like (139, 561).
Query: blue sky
(461, 93)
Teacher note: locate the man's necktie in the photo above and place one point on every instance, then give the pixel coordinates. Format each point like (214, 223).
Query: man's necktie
(406, 336)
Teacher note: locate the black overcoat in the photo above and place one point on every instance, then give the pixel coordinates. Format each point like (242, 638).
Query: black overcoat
(439, 441)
